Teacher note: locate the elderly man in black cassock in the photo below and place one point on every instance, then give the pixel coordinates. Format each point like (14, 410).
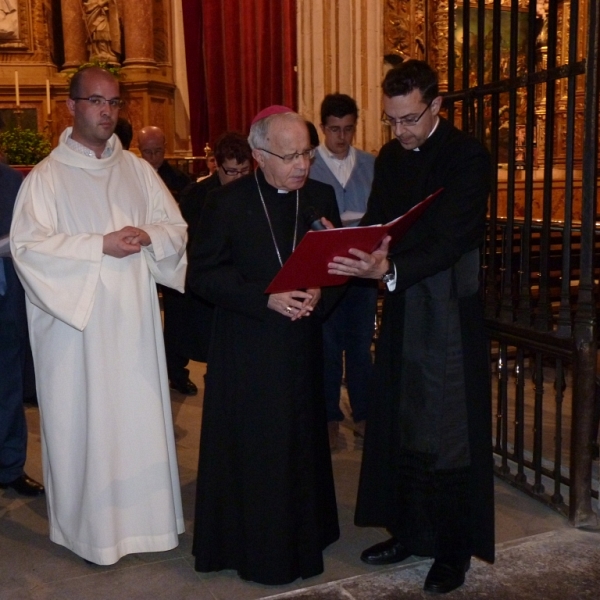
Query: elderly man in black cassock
(427, 466)
(265, 503)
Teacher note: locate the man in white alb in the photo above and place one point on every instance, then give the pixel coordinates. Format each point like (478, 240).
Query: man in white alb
(94, 230)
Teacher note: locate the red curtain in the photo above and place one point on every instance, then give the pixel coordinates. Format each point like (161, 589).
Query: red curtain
(241, 57)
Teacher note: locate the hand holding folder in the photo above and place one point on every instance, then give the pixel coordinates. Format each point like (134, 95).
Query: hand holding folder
(307, 266)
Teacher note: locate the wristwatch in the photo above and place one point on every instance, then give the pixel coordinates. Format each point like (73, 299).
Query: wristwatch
(390, 274)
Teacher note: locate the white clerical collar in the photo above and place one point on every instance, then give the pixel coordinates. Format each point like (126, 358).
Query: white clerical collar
(430, 134)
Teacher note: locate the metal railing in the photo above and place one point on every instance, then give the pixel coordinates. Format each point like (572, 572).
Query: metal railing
(526, 84)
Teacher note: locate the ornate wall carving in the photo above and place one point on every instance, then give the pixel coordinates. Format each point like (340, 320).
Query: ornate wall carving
(134, 112)
(34, 40)
(404, 29)
(158, 112)
(438, 50)
(61, 117)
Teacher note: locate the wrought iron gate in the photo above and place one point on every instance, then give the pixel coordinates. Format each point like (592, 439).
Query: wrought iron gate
(523, 76)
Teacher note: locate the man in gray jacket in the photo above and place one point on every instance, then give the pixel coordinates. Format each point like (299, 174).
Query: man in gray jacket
(348, 332)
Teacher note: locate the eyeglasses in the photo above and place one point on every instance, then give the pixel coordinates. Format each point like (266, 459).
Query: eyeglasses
(99, 101)
(336, 129)
(404, 121)
(290, 158)
(235, 172)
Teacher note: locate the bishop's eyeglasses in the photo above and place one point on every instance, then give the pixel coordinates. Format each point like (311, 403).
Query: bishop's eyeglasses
(290, 158)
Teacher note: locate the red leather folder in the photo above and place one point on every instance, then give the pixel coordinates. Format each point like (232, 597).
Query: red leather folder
(307, 266)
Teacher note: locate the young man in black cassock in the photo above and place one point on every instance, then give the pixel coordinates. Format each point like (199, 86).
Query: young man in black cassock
(427, 467)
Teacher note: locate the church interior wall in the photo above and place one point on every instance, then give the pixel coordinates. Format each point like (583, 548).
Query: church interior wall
(342, 46)
(42, 42)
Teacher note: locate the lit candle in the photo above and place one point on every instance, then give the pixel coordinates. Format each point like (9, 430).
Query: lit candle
(48, 97)
(17, 88)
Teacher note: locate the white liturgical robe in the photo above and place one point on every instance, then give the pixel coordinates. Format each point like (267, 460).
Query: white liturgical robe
(109, 460)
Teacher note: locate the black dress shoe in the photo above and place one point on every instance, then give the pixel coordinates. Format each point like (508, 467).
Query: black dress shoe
(25, 486)
(385, 553)
(187, 388)
(445, 576)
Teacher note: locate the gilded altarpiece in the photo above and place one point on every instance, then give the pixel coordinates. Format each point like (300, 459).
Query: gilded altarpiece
(404, 29)
(42, 42)
(421, 29)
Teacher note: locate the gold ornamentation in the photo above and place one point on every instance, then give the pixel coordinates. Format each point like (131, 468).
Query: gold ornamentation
(404, 29)
(439, 35)
(17, 36)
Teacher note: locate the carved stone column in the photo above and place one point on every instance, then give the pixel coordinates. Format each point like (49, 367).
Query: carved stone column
(74, 33)
(139, 33)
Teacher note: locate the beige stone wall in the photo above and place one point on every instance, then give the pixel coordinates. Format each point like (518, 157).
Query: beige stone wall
(340, 49)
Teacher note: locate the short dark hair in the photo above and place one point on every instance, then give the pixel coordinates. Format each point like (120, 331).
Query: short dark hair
(313, 134)
(338, 105)
(232, 144)
(124, 132)
(411, 75)
(76, 82)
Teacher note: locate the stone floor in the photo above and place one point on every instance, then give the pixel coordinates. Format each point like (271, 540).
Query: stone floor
(539, 554)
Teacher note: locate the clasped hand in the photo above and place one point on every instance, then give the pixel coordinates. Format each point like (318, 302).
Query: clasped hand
(296, 304)
(125, 242)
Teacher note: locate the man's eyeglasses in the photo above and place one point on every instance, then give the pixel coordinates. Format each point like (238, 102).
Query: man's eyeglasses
(336, 129)
(290, 158)
(235, 172)
(408, 121)
(98, 101)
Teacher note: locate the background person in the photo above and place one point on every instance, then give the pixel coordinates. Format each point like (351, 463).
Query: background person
(152, 144)
(187, 317)
(211, 166)
(348, 330)
(13, 349)
(124, 131)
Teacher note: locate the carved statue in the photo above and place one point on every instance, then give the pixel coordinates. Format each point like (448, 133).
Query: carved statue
(397, 28)
(104, 36)
(404, 28)
(542, 36)
(419, 26)
(9, 20)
